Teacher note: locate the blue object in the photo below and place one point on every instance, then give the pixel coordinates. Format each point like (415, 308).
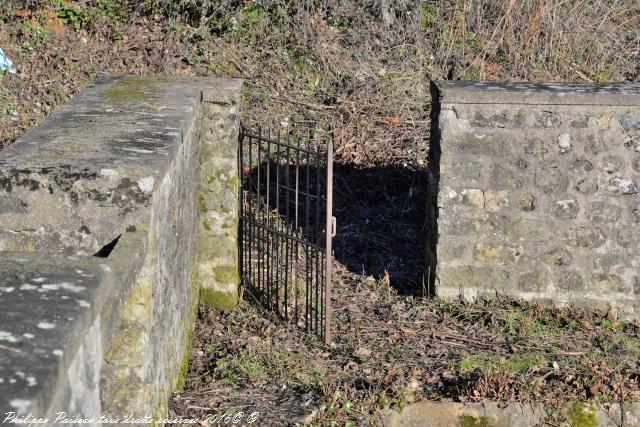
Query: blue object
(5, 63)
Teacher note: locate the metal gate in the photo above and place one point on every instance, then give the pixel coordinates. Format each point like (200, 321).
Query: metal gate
(286, 223)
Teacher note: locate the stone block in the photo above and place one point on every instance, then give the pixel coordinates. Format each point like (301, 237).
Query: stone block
(526, 202)
(565, 209)
(495, 253)
(547, 119)
(536, 146)
(605, 283)
(530, 230)
(503, 178)
(630, 120)
(534, 281)
(468, 226)
(587, 237)
(473, 198)
(557, 256)
(604, 212)
(564, 143)
(482, 277)
(486, 143)
(496, 201)
(611, 164)
(570, 281)
(551, 179)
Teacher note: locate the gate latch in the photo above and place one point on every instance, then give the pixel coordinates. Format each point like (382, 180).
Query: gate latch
(333, 226)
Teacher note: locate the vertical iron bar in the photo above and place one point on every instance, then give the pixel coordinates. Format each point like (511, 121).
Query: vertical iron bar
(297, 247)
(240, 205)
(258, 216)
(249, 209)
(277, 225)
(286, 241)
(328, 243)
(317, 231)
(308, 293)
(267, 221)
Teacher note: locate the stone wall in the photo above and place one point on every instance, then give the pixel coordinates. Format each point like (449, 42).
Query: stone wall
(217, 267)
(101, 230)
(537, 193)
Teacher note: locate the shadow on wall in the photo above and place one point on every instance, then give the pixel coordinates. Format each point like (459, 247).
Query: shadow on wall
(380, 214)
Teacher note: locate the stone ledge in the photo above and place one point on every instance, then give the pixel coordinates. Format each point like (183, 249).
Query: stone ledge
(51, 304)
(488, 92)
(508, 414)
(87, 174)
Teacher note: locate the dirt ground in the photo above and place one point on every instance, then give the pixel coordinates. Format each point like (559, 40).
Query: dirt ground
(390, 350)
(364, 74)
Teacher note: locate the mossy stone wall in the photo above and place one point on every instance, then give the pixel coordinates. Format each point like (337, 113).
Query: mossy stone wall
(217, 251)
(538, 193)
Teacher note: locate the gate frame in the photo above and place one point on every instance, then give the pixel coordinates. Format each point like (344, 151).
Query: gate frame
(247, 137)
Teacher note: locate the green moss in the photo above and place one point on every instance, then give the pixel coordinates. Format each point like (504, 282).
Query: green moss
(133, 88)
(215, 173)
(250, 366)
(235, 183)
(212, 245)
(628, 344)
(522, 363)
(582, 415)
(226, 274)
(186, 360)
(482, 361)
(160, 409)
(471, 421)
(202, 203)
(207, 224)
(218, 299)
(486, 362)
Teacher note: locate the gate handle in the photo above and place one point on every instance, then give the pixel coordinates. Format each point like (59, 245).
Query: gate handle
(333, 226)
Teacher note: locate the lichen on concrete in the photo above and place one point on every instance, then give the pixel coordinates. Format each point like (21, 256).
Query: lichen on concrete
(219, 298)
(132, 88)
(471, 421)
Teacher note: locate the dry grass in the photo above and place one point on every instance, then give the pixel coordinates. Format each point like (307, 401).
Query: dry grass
(341, 62)
(389, 351)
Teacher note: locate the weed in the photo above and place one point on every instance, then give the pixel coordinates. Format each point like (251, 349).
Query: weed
(77, 18)
(430, 14)
(627, 344)
(252, 13)
(35, 34)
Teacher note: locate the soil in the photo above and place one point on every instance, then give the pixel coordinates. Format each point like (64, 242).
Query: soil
(389, 350)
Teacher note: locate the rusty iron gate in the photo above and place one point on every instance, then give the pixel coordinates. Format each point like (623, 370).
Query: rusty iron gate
(286, 223)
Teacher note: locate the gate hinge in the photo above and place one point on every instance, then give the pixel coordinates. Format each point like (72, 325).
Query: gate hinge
(333, 226)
